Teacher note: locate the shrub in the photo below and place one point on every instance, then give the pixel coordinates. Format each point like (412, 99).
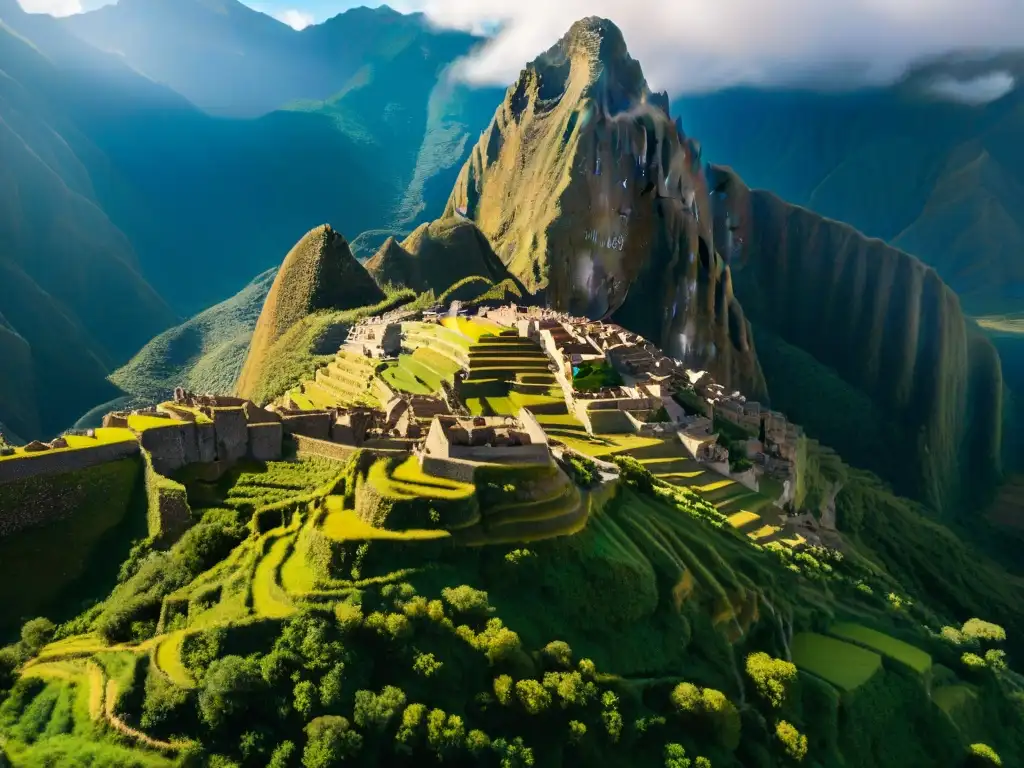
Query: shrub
(477, 742)
(995, 659)
(35, 634)
(794, 743)
(349, 616)
(409, 730)
(10, 659)
(983, 630)
(687, 699)
(972, 661)
(772, 677)
(983, 755)
(634, 474)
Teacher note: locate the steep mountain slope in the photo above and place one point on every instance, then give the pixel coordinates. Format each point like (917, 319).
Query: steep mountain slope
(436, 256)
(73, 300)
(203, 354)
(941, 179)
(590, 194)
(319, 273)
(891, 329)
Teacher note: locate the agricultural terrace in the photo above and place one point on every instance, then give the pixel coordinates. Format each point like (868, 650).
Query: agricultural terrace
(751, 512)
(890, 647)
(844, 665)
(103, 436)
(507, 373)
(345, 381)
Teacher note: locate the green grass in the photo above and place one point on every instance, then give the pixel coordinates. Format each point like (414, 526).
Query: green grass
(592, 376)
(843, 665)
(141, 422)
(268, 599)
(407, 480)
(168, 660)
(902, 652)
(346, 525)
(104, 436)
(408, 376)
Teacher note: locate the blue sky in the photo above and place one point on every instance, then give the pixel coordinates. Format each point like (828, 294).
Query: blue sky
(699, 45)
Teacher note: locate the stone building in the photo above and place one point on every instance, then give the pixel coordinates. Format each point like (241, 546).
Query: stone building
(488, 439)
(376, 338)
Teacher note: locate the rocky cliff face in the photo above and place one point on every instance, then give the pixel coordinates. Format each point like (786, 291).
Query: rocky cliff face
(319, 273)
(881, 319)
(597, 201)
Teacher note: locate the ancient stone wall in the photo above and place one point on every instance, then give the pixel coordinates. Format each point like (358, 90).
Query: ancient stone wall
(265, 441)
(66, 460)
(171, 447)
(451, 469)
(232, 433)
(310, 446)
(314, 425)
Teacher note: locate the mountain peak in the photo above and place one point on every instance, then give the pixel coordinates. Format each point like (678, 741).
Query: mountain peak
(593, 56)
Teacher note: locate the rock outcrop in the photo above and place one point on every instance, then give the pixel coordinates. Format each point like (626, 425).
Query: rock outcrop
(886, 323)
(319, 273)
(595, 199)
(437, 255)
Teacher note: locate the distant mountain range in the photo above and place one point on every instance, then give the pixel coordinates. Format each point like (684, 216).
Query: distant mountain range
(164, 153)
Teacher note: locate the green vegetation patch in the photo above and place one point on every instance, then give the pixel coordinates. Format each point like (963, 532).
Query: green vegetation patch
(888, 646)
(84, 521)
(844, 665)
(591, 376)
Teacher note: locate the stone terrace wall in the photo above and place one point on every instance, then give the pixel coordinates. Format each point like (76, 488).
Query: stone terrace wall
(167, 500)
(69, 460)
(310, 446)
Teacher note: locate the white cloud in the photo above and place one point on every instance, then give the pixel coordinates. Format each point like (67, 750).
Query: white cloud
(976, 90)
(52, 7)
(294, 18)
(694, 45)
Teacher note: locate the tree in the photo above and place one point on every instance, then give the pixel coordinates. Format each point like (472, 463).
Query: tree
(995, 659)
(687, 699)
(587, 668)
(477, 742)
(349, 616)
(577, 731)
(570, 688)
(503, 689)
(330, 741)
(283, 755)
(497, 641)
(305, 698)
(375, 711)
(426, 664)
(794, 743)
(773, 678)
(331, 685)
(9, 660)
(724, 716)
(558, 653)
(675, 756)
(533, 696)
(35, 634)
(230, 687)
(513, 754)
(465, 599)
(409, 732)
(445, 733)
